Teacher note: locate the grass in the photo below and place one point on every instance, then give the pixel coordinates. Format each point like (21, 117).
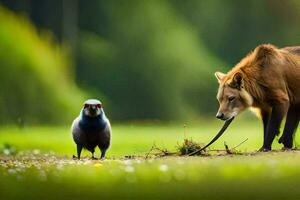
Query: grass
(43, 168)
(134, 139)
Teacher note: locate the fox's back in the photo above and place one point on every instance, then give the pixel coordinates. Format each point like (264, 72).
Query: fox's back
(291, 71)
(293, 50)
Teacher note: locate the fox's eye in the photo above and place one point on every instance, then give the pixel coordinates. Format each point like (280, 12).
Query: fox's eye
(231, 98)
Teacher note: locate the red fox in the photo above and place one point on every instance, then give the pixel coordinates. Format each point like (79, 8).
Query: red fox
(267, 79)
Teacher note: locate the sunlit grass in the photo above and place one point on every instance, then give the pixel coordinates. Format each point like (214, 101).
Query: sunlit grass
(129, 139)
(263, 176)
(43, 168)
(137, 139)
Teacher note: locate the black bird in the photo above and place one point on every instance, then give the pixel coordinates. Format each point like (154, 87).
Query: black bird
(91, 129)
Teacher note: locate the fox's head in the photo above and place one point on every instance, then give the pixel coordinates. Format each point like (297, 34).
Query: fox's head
(232, 96)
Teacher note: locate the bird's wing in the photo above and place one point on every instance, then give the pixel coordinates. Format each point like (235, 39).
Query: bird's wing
(107, 129)
(76, 131)
(106, 135)
(75, 124)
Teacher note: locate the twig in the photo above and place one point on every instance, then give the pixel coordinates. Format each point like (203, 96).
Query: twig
(232, 150)
(227, 148)
(164, 152)
(239, 144)
(217, 150)
(148, 153)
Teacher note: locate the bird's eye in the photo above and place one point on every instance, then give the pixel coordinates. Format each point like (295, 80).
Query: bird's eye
(230, 99)
(99, 106)
(85, 106)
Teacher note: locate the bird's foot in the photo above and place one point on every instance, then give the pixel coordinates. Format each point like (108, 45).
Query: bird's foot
(93, 158)
(75, 157)
(102, 158)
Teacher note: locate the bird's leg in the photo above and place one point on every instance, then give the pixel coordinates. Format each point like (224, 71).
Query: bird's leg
(79, 148)
(103, 151)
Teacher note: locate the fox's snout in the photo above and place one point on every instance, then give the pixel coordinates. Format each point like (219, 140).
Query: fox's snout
(220, 115)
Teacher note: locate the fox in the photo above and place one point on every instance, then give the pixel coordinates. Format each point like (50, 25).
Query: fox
(268, 81)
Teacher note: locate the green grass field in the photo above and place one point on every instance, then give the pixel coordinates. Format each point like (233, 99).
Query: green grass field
(42, 167)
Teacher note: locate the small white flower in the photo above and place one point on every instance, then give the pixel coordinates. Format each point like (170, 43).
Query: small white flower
(129, 169)
(6, 151)
(36, 151)
(11, 171)
(127, 162)
(164, 168)
(138, 161)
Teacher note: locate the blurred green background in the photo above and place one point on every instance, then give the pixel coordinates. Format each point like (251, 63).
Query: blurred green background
(146, 60)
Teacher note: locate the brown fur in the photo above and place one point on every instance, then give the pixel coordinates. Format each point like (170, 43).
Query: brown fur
(271, 76)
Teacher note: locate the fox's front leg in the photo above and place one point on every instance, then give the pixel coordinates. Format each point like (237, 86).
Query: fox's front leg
(279, 110)
(265, 115)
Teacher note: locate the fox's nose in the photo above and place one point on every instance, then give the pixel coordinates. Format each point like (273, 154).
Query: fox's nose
(220, 115)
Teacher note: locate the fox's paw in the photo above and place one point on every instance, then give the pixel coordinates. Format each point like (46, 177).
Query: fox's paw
(286, 148)
(264, 149)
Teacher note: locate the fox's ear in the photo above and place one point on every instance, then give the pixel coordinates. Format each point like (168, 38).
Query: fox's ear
(237, 80)
(220, 76)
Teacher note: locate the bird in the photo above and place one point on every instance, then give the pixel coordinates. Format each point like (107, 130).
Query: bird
(91, 129)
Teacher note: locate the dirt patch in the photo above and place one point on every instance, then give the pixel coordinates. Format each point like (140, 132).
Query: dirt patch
(189, 147)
